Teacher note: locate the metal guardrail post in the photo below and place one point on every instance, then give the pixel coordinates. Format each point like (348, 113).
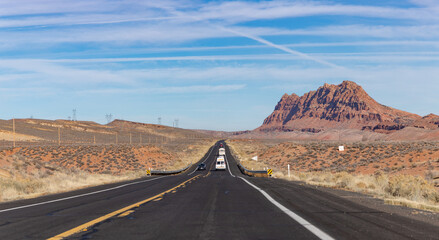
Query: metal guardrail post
(255, 173)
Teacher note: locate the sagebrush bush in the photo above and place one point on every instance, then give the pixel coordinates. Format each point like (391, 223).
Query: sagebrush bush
(411, 187)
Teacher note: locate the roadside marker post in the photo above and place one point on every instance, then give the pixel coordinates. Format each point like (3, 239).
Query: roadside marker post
(289, 176)
(270, 172)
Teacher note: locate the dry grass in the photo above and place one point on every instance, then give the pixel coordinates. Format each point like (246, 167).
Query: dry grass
(399, 189)
(243, 152)
(30, 176)
(189, 154)
(60, 181)
(407, 190)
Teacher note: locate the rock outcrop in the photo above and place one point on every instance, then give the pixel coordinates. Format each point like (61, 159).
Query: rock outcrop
(346, 105)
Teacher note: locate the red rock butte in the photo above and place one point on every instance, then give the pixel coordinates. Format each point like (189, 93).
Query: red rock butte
(346, 105)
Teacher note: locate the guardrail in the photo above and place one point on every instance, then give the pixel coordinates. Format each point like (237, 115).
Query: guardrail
(255, 173)
(162, 172)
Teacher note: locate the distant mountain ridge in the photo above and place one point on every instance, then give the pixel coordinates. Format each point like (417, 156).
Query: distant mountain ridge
(346, 106)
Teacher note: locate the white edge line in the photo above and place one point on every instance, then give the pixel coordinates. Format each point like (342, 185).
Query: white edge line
(316, 231)
(228, 167)
(204, 160)
(76, 196)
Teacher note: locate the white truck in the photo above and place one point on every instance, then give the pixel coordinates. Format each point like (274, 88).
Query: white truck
(222, 152)
(220, 163)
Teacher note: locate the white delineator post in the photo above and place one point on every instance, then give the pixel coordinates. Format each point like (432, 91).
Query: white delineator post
(288, 170)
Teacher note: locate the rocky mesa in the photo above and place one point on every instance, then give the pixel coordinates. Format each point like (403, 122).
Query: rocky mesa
(346, 106)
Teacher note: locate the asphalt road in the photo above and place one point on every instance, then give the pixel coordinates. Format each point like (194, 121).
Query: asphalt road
(204, 205)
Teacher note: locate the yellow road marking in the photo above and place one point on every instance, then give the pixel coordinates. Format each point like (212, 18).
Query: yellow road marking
(86, 225)
(124, 214)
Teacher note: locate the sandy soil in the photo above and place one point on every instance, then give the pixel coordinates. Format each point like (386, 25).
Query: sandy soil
(9, 136)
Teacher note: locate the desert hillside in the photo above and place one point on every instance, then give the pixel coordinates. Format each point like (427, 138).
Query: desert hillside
(55, 156)
(39, 132)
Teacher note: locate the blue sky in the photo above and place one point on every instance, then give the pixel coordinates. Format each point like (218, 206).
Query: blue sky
(220, 65)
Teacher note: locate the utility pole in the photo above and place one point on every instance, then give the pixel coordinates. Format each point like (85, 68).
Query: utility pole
(59, 136)
(74, 115)
(159, 119)
(176, 122)
(13, 131)
(109, 117)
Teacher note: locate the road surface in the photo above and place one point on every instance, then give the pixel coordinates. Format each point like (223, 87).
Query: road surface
(204, 205)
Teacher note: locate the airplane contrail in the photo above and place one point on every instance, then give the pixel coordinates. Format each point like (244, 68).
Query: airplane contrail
(256, 38)
(280, 47)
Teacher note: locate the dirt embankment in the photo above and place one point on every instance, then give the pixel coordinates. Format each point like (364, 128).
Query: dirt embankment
(33, 171)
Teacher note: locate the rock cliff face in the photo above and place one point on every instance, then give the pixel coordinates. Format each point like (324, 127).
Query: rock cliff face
(345, 105)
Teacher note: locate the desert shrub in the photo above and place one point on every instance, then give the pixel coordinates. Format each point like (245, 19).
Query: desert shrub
(411, 187)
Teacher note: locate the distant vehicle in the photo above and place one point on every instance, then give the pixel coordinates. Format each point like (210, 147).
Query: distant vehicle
(220, 163)
(201, 166)
(222, 152)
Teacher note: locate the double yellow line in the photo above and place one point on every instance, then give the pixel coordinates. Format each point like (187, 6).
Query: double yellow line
(126, 210)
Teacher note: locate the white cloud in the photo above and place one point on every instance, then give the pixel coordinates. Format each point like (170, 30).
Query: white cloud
(48, 72)
(40, 71)
(396, 32)
(397, 86)
(104, 11)
(167, 90)
(239, 11)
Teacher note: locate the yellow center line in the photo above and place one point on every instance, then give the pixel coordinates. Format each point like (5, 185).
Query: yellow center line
(112, 214)
(124, 214)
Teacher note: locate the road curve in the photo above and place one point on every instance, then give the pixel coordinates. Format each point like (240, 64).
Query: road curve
(203, 205)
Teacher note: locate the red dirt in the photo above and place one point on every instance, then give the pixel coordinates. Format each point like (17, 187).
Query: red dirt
(98, 159)
(414, 158)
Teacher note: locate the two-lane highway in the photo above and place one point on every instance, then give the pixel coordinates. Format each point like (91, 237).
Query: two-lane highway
(204, 205)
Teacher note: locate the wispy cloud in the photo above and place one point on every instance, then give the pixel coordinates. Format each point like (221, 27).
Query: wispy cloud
(167, 90)
(105, 11)
(246, 11)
